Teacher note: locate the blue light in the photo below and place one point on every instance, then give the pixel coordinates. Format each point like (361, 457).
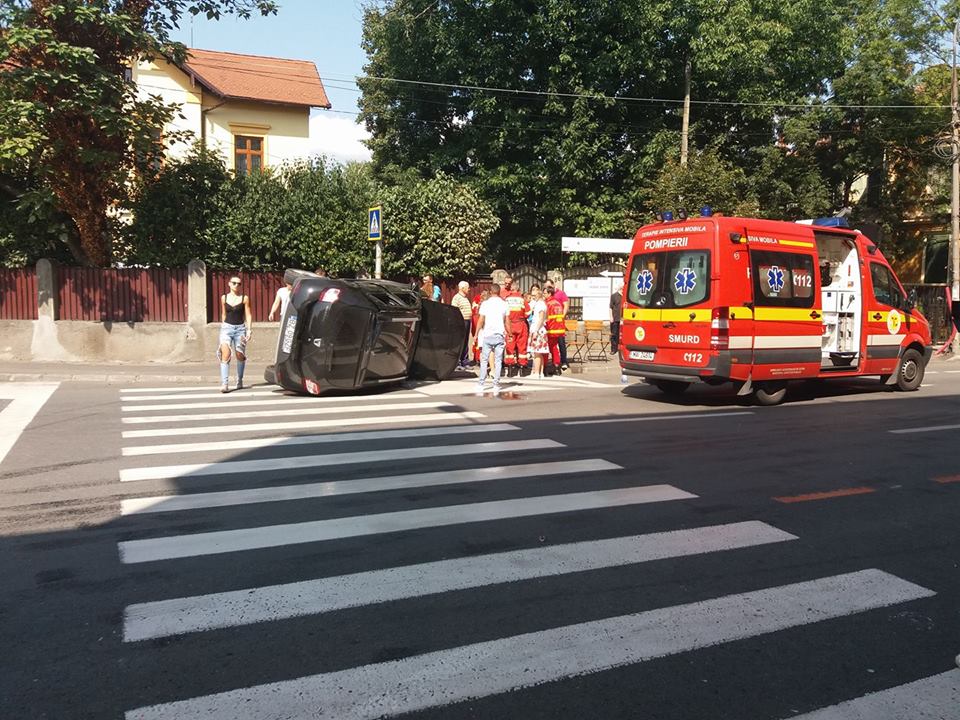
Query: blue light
(832, 222)
(667, 215)
(706, 211)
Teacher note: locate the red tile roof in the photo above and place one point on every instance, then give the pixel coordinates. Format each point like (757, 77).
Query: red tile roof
(253, 77)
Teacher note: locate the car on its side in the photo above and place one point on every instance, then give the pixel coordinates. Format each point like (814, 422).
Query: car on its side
(339, 334)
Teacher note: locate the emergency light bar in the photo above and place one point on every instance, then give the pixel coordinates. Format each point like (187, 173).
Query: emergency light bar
(826, 222)
(667, 215)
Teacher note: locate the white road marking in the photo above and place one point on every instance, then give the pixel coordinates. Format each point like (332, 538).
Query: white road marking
(650, 418)
(281, 412)
(275, 401)
(234, 428)
(936, 698)
(196, 501)
(212, 543)
(299, 462)
(440, 678)
(288, 440)
(952, 372)
(930, 428)
(252, 605)
(211, 393)
(172, 389)
(26, 399)
(471, 388)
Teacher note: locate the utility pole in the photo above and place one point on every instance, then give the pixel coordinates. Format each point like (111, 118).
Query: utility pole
(954, 274)
(685, 132)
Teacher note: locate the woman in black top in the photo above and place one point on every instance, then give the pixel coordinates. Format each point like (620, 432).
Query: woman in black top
(235, 332)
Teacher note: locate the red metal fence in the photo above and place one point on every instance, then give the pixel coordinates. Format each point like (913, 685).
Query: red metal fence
(125, 295)
(18, 294)
(261, 287)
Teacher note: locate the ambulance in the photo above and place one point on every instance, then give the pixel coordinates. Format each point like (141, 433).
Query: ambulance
(760, 303)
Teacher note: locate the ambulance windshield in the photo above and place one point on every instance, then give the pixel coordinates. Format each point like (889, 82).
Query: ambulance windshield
(670, 279)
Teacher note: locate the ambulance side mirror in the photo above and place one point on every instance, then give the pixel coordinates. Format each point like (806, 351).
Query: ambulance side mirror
(911, 300)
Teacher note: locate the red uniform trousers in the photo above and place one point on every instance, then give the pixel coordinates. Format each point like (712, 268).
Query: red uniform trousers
(553, 342)
(516, 350)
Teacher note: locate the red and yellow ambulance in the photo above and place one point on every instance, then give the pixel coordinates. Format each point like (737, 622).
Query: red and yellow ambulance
(761, 302)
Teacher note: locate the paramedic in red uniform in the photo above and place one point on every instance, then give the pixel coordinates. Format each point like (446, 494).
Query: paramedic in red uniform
(517, 328)
(556, 328)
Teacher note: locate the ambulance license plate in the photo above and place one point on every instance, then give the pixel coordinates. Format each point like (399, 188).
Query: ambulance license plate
(641, 355)
(288, 332)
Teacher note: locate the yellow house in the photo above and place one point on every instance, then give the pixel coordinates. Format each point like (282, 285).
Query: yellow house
(253, 110)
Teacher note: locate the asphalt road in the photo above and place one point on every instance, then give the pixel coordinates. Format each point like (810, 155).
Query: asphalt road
(567, 550)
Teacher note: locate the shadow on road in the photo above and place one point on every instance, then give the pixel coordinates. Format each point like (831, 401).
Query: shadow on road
(64, 591)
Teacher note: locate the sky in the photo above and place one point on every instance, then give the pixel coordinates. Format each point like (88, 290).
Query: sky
(327, 32)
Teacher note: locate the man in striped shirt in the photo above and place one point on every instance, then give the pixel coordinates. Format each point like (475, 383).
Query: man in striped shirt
(461, 301)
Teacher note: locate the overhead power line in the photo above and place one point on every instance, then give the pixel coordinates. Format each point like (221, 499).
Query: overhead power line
(671, 101)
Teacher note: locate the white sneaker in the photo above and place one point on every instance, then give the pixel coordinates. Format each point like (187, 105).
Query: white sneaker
(239, 384)
(224, 388)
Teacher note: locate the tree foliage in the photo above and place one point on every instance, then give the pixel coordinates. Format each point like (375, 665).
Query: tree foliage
(309, 214)
(566, 113)
(70, 120)
(437, 225)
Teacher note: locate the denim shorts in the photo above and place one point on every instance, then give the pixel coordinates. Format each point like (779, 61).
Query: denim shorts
(234, 336)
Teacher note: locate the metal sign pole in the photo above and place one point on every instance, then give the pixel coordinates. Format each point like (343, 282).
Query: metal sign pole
(375, 233)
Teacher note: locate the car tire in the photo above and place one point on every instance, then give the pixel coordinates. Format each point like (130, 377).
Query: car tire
(770, 393)
(910, 372)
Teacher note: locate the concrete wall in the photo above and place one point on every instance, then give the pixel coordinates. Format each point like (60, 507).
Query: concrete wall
(79, 341)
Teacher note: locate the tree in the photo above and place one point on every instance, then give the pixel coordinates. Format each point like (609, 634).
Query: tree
(173, 210)
(308, 214)
(894, 62)
(705, 180)
(438, 226)
(567, 142)
(69, 117)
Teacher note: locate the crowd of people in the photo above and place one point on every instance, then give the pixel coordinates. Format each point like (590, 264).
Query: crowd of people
(517, 333)
(507, 332)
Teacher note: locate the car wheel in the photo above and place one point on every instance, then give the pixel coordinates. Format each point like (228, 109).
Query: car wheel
(770, 393)
(671, 387)
(910, 374)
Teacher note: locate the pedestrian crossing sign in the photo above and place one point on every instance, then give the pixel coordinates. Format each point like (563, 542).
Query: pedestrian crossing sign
(375, 223)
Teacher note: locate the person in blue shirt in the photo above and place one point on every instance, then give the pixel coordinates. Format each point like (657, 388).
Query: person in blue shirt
(428, 289)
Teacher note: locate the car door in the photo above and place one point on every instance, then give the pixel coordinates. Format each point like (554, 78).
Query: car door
(442, 334)
(787, 310)
(886, 322)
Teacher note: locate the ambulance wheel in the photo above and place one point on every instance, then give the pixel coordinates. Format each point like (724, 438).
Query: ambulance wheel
(910, 374)
(770, 393)
(671, 387)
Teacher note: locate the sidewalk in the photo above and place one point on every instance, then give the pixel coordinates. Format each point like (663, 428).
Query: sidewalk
(197, 373)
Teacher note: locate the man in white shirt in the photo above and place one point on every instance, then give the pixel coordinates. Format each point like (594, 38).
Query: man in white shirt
(280, 301)
(492, 328)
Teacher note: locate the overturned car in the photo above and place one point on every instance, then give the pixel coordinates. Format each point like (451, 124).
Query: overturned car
(350, 334)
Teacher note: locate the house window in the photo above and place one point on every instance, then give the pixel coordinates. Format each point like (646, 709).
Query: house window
(247, 154)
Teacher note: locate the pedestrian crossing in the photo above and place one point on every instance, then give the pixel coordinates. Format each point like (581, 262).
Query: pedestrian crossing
(431, 467)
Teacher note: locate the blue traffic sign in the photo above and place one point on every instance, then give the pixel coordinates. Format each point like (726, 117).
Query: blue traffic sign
(375, 223)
